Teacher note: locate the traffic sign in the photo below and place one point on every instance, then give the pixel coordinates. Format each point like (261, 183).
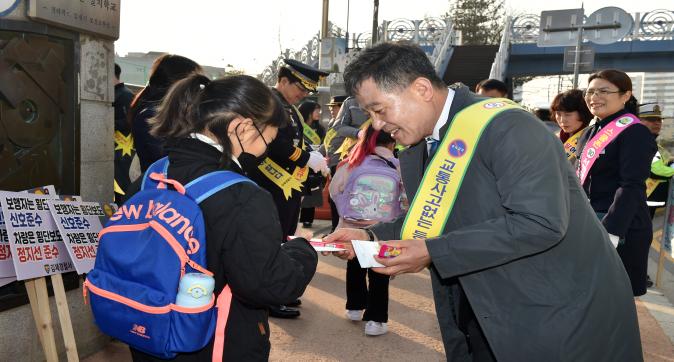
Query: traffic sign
(616, 24)
(586, 63)
(559, 27)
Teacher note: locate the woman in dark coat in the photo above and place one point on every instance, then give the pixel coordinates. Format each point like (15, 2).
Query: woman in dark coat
(616, 183)
(313, 188)
(166, 70)
(227, 124)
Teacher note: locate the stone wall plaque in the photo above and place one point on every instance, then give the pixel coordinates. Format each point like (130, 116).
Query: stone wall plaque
(100, 17)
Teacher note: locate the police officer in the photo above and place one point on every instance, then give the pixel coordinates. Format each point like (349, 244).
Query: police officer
(285, 169)
(661, 170)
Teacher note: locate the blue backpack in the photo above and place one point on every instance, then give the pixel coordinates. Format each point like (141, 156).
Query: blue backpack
(147, 246)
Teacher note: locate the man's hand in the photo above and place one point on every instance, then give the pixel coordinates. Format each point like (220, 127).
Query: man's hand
(344, 236)
(413, 258)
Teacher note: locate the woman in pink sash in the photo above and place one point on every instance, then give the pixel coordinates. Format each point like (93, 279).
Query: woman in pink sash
(615, 155)
(571, 114)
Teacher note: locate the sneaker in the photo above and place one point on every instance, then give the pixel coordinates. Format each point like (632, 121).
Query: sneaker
(373, 328)
(354, 315)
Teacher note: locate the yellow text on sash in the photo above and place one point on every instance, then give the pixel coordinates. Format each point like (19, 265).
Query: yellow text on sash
(311, 135)
(433, 203)
(280, 177)
(571, 145)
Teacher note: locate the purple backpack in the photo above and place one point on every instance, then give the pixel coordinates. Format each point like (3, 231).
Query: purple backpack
(372, 191)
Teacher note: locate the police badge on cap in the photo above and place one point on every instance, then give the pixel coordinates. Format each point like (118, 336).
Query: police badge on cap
(650, 110)
(306, 74)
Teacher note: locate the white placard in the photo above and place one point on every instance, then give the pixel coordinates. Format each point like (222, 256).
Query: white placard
(365, 251)
(6, 263)
(35, 242)
(79, 224)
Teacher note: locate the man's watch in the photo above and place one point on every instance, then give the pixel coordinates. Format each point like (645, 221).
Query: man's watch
(370, 234)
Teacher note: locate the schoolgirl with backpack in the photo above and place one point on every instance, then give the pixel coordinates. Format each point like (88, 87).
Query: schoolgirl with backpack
(189, 266)
(367, 189)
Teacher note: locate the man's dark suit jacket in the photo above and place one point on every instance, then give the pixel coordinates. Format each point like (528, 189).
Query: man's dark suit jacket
(537, 267)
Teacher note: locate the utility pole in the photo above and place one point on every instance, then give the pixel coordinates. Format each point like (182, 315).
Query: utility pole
(375, 21)
(348, 5)
(325, 31)
(576, 60)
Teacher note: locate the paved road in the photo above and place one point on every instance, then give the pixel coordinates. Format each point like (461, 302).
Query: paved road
(323, 333)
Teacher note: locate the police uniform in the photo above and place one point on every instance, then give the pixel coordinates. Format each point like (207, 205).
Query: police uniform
(661, 170)
(288, 148)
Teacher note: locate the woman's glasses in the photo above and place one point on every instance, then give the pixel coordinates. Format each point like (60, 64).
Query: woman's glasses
(601, 92)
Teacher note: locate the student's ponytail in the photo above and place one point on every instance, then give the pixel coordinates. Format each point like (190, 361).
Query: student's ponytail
(177, 113)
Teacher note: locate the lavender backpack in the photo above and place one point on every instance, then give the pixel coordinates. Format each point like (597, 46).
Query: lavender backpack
(372, 191)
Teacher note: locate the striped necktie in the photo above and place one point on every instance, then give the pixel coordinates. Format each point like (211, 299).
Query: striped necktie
(431, 146)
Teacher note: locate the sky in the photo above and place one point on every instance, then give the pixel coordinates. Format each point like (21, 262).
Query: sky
(250, 34)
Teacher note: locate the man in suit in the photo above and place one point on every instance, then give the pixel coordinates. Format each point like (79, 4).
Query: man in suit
(522, 269)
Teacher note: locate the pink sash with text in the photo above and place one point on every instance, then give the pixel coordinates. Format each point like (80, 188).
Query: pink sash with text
(598, 143)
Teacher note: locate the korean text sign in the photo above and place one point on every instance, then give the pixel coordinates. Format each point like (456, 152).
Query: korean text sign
(79, 224)
(36, 245)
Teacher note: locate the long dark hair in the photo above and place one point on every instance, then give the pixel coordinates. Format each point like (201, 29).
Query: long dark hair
(307, 108)
(165, 70)
(366, 146)
(195, 104)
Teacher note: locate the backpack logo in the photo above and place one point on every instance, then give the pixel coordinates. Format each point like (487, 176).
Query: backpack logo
(164, 213)
(139, 330)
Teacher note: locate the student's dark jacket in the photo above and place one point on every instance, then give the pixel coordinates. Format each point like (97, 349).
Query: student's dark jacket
(148, 148)
(244, 250)
(616, 184)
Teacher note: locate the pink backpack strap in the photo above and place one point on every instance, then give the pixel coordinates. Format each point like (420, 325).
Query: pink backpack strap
(223, 304)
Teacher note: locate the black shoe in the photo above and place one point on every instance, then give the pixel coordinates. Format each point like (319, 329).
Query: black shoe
(295, 303)
(281, 311)
(649, 282)
(306, 225)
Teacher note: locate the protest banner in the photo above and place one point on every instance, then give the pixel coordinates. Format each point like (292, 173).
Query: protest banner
(7, 274)
(37, 251)
(79, 224)
(36, 245)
